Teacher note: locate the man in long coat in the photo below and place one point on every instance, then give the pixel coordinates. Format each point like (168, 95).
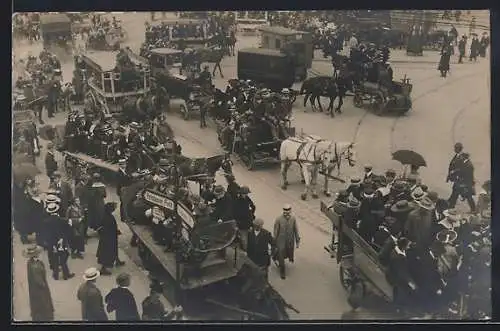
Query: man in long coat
(41, 305)
(50, 160)
(418, 227)
(286, 234)
(107, 249)
(91, 298)
(97, 194)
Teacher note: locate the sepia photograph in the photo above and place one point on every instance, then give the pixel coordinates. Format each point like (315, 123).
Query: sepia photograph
(328, 165)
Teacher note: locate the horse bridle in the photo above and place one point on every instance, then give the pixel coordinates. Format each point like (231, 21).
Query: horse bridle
(347, 154)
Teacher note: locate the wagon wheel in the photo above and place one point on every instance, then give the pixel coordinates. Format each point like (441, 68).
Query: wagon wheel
(358, 100)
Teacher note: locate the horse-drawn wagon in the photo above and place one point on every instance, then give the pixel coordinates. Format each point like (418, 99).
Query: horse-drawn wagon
(165, 64)
(363, 273)
(398, 98)
(112, 85)
(200, 263)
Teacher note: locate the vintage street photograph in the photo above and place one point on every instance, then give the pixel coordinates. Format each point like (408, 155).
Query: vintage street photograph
(251, 166)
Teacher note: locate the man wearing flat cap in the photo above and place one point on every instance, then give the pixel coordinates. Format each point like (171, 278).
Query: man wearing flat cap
(260, 243)
(355, 188)
(286, 235)
(368, 173)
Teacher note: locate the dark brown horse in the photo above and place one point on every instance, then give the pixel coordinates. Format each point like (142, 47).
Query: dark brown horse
(322, 86)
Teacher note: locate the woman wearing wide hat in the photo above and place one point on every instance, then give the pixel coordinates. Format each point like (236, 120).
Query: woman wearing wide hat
(42, 308)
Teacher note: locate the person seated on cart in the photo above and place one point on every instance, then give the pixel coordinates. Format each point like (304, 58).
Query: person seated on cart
(222, 207)
(339, 206)
(370, 215)
(71, 132)
(93, 142)
(350, 220)
(398, 274)
(205, 77)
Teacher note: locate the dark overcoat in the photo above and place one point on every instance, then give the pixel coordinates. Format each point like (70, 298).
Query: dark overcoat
(258, 247)
(107, 249)
(92, 305)
(418, 227)
(42, 308)
(65, 193)
(97, 193)
(122, 301)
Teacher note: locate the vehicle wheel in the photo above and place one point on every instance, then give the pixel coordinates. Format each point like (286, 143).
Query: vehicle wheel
(185, 113)
(356, 294)
(250, 162)
(358, 100)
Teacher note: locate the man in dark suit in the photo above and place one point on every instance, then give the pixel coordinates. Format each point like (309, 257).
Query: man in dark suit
(259, 242)
(63, 191)
(455, 161)
(398, 272)
(50, 161)
(464, 184)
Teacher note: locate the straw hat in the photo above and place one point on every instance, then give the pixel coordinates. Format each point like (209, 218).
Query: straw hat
(401, 207)
(32, 251)
(452, 215)
(52, 208)
(52, 198)
(91, 274)
(425, 203)
(446, 236)
(417, 194)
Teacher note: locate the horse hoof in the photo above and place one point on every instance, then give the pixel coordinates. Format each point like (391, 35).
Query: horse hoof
(315, 196)
(283, 187)
(303, 196)
(327, 194)
(303, 181)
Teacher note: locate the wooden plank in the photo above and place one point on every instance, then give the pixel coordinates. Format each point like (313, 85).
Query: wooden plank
(216, 270)
(97, 162)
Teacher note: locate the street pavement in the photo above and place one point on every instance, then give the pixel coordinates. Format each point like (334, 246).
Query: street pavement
(445, 110)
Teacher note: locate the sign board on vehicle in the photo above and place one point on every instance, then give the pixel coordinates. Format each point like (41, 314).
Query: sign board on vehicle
(164, 202)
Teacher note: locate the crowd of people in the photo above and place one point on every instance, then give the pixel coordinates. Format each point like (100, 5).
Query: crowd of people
(433, 252)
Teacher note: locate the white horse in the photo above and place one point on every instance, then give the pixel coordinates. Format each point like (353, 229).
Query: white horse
(312, 154)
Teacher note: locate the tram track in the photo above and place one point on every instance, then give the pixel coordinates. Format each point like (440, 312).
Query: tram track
(396, 121)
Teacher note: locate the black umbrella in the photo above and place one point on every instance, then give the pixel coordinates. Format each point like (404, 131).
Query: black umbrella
(408, 157)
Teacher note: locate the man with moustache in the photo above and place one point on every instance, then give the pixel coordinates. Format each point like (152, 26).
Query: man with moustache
(286, 234)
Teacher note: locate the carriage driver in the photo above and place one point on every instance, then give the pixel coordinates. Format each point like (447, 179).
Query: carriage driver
(205, 77)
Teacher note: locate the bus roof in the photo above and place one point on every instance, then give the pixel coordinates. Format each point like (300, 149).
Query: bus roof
(279, 30)
(105, 61)
(54, 18)
(262, 51)
(165, 51)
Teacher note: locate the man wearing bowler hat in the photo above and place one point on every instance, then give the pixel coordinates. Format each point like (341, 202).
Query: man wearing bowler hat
(287, 237)
(260, 243)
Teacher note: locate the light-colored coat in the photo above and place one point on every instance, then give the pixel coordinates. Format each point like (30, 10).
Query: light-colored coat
(286, 234)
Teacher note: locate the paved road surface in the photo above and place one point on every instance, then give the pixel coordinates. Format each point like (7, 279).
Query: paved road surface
(444, 111)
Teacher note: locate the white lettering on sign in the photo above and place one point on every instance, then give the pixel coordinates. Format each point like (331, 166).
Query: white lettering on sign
(159, 200)
(162, 201)
(185, 214)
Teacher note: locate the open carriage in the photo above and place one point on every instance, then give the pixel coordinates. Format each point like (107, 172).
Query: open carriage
(204, 267)
(398, 99)
(109, 85)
